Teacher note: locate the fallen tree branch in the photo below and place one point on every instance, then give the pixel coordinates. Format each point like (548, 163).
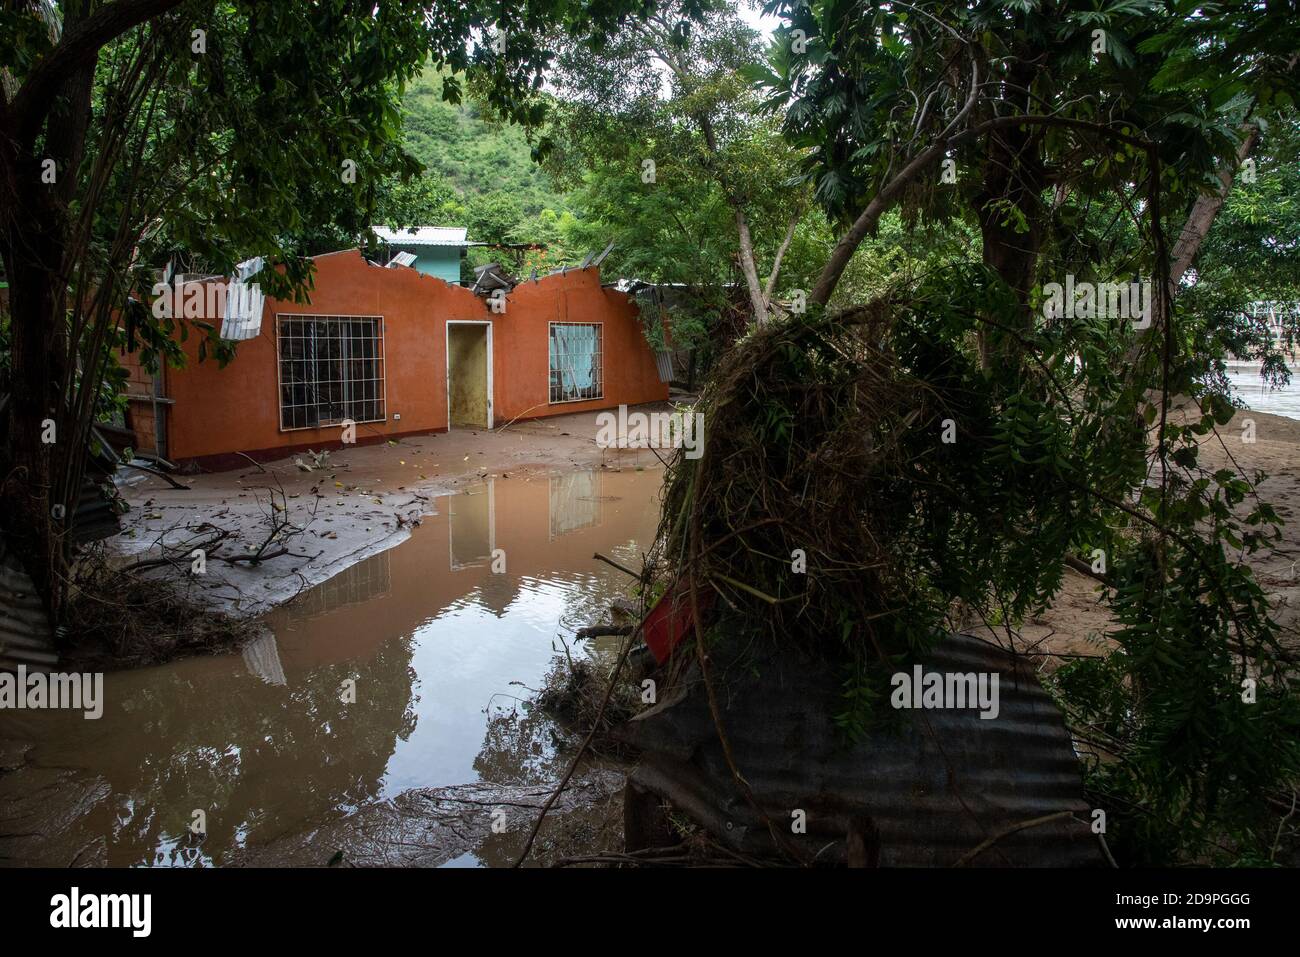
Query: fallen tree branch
(260, 468)
(177, 553)
(623, 568)
(1083, 568)
(983, 846)
(158, 472)
(602, 631)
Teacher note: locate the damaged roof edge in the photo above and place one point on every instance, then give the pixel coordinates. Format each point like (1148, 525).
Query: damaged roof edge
(423, 235)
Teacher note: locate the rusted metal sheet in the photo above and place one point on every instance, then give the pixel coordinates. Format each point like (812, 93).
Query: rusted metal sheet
(929, 790)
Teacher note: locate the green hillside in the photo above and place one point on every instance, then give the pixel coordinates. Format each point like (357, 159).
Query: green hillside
(479, 173)
(476, 155)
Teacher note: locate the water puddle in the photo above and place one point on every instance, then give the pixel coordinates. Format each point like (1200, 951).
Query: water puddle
(438, 647)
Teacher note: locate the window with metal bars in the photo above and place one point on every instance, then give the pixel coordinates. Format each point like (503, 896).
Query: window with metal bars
(331, 369)
(367, 579)
(577, 371)
(575, 502)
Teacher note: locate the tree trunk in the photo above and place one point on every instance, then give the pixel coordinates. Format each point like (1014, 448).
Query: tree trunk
(1204, 212)
(663, 48)
(1192, 236)
(745, 242)
(1012, 182)
(30, 521)
(36, 501)
(769, 289)
(757, 301)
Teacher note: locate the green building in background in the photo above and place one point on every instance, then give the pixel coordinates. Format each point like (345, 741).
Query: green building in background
(432, 250)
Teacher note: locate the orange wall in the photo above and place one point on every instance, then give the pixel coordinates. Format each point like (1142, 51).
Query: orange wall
(236, 409)
(521, 360)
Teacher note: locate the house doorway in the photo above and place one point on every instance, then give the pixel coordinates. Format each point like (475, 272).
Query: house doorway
(469, 375)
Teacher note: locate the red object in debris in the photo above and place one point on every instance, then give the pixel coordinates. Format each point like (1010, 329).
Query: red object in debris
(670, 620)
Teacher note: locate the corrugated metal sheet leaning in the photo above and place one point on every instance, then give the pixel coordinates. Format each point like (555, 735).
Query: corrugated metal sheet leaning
(25, 636)
(96, 516)
(664, 362)
(932, 790)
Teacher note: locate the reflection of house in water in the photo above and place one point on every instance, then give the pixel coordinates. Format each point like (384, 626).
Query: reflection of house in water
(496, 593)
(262, 658)
(544, 531)
(575, 502)
(367, 579)
(471, 523)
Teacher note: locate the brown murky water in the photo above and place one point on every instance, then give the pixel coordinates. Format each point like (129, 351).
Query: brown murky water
(440, 647)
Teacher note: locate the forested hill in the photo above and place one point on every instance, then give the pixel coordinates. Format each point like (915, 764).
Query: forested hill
(474, 154)
(479, 173)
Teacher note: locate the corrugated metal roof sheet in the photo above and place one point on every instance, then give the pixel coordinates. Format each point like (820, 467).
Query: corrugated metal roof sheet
(94, 518)
(934, 788)
(242, 318)
(25, 634)
(664, 362)
(423, 235)
(25, 637)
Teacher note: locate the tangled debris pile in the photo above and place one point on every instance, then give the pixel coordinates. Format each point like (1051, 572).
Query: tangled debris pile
(796, 499)
(860, 483)
(119, 618)
(873, 477)
(835, 525)
(573, 693)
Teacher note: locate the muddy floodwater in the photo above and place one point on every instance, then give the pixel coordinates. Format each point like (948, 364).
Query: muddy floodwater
(268, 744)
(1259, 397)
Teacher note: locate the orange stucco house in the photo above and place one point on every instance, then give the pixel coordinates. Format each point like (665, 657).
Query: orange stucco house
(397, 352)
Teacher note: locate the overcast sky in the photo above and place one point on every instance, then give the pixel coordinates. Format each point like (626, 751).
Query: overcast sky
(764, 25)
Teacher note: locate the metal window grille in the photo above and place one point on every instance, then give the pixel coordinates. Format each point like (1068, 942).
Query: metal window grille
(577, 361)
(575, 502)
(331, 369)
(358, 583)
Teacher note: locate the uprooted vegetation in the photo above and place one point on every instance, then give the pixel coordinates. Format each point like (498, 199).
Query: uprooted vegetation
(150, 610)
(574, 691)
(120, 618)
(584, 695)
(870, 480)
(147, 611)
